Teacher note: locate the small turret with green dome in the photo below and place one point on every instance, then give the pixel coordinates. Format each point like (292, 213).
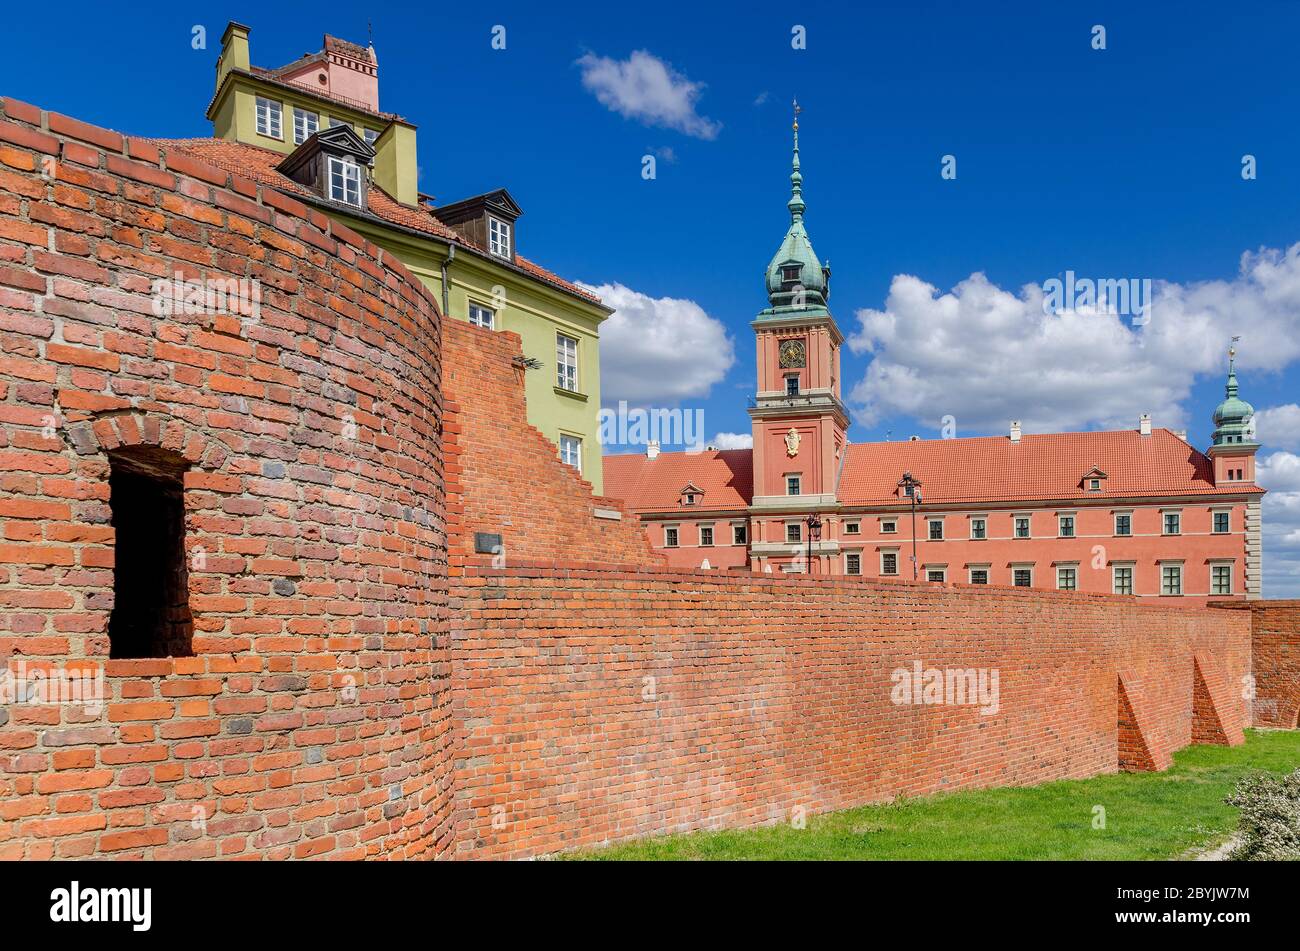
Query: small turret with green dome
(1233, 418)
(797, 282)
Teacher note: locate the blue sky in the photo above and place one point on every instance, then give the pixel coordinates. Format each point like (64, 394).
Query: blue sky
(1117, 163)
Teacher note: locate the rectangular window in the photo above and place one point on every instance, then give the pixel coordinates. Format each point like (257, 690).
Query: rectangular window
(888, 527)
(738, 535)
(853, 528)
(706, 536)
(1173, 523)
(1171, 579)
(1122, 580)
(792, 485)
(1067, 579)
(498, 237)
(936, 530)
(1222, 523)
(853, 563)
(371, 136)
(1221, 579)
(344, 181)
(481, 316)
(1022, 577)
(978, 528)
(889, 563)
(1066, 526)
(938, 575)
(304, 125)
(1123, 524)
(794, 532)
(268, 118)
(792, 386)
(1022, 526)
(670, 538)
(150, 616)
(979, 576)
(1094, 485)
(571, 451)
(566, 362)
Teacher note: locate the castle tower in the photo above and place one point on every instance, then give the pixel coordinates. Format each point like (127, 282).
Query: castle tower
(1233, 448)
(798, 419)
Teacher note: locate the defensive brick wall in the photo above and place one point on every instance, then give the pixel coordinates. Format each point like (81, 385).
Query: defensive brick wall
(1275, 645)
(307, 715)
(593, 706)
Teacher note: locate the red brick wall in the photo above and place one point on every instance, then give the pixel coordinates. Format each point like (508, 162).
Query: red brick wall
(312, 716)
(593, 706)
(505, 477)
(1275, 639)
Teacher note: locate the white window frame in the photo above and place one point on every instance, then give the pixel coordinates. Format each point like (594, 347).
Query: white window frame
(1165, 515)
(349, 175)
(970, 574)
(744, 533)
(1070, 568)
(798, 527)
(499, 237)
(1115, 526)
(566, 362)
(796, 481)
(476, 316)
(676, 537)
(1232, 580)
(300, 119)
(1131, 568)
(1214, 517)
(1015, 527)
(853, 528)
(929, 534)
(1028, 568)
(940, 570)
(702, 530)
(1060, 524)
(848, 570)
(897, 567)
(270, 118)
(575, 442)
(892, 530)
(1178, 566)
(983, 522)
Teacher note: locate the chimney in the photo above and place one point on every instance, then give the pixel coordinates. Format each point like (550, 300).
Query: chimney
(1181, 434)
(234, 50)
(652, 449)
(1015, 430)
(395, 168)
(1144, 424)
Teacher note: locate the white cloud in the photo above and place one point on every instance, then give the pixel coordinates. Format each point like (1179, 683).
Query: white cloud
(760, 98)
(1279, 426)
(645, 88)
(659, 350)
(986, 355)
(1279, 472)
(733, 441)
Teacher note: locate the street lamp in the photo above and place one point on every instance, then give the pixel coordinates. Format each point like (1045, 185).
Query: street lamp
(912, 489)
(814, 534)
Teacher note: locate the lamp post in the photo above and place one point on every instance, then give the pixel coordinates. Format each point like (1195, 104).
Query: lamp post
(912, 489)
(814, 524)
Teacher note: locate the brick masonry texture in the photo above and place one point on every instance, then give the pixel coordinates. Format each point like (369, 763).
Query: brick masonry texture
(592, 706)
(312, 717)
(1275, 644)
(360, 684)
(505, 478)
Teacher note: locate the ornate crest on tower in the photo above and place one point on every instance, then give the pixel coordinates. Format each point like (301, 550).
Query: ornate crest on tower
(792, 439)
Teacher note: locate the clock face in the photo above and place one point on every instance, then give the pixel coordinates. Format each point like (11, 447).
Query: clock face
(792, 354)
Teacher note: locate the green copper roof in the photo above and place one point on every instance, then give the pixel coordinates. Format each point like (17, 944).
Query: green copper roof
(1232, 418)
(797, 283)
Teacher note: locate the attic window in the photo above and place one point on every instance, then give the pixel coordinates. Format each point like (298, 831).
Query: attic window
(151, 613)
(498, 237)
(790, 273)
(1094, 485)
(688, 498)
(344, 180)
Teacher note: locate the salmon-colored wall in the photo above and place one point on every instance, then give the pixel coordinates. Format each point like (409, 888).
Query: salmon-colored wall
(689, 553)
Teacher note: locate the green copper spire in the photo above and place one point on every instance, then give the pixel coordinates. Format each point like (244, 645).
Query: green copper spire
(797, 283)
(1234, 416)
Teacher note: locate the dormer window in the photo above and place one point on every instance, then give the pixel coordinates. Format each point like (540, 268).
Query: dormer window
(1093, 479)
(344, 180)
(691, 494)
(498, 237)
(1094, 485)
(790, 273)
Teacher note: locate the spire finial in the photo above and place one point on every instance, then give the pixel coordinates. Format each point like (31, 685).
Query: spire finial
(796, 204)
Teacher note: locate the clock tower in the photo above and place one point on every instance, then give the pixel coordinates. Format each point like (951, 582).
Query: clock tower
(798, 418)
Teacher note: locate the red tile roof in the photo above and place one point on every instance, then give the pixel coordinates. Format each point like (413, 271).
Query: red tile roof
(654, 485)
(260, 164)
(977, 470)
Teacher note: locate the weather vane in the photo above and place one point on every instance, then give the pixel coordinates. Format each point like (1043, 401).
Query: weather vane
(797, 109)
(1232, 350)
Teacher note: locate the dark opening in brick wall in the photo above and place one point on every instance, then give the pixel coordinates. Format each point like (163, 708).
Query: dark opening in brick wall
(151, 611)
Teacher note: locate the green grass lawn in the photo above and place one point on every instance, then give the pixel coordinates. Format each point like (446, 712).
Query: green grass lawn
(1148, 816)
